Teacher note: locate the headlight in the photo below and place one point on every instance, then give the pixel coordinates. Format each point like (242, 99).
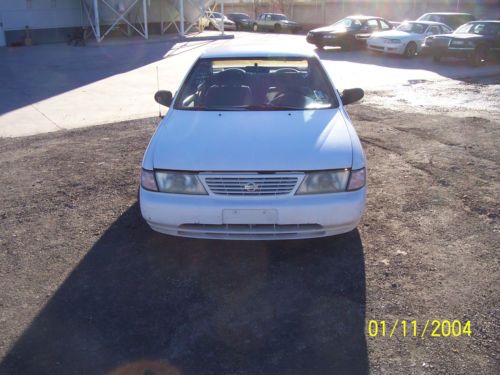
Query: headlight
(329, 36)
(179, 183)
(324, 182)
(148, 181)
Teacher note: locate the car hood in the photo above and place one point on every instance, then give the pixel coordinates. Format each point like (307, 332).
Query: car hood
(465, 36)
(395, 34)
(252, 141)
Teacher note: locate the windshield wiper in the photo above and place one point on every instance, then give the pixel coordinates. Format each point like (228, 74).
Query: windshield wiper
(271, 107)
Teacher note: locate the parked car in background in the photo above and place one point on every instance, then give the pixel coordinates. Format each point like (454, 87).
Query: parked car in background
(348, 33)
(241, 20)
(275, 22)
(214, 21)
(453, 20)
(256, 145)
(475, 41)
(407, 38)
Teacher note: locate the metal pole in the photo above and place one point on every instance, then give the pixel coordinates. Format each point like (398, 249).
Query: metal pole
(181, 16)
(323, 10)
(96, 20)
(222, 11)
(145, 11)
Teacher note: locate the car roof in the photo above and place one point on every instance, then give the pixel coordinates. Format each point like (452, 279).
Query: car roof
(482, 21)
(361, 17)
(449, 14)
(426, 22)
(244, 51)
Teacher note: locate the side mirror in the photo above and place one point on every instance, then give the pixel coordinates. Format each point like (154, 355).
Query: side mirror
(164, 98)
(350, 96)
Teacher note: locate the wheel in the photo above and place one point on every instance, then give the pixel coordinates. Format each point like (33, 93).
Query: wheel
(479, 56)
(410, 50)
(277, 28)
(255, 27)
(436, 57)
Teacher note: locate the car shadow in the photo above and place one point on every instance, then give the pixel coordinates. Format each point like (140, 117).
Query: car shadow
(32, 74)
(144, 303)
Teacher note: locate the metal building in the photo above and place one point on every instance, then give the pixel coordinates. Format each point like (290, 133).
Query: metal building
(45, 21)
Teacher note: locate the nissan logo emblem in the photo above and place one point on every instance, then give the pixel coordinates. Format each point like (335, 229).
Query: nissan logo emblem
(251, 187)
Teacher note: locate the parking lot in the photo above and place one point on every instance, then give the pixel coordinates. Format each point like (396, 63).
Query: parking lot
(88, 288)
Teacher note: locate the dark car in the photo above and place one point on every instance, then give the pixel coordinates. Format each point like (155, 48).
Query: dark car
(454, 20)
(275, 22)
(476, 41)
(348, 33)
(242, 20)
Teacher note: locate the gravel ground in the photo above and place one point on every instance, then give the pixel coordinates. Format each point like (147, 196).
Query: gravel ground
(87, 288)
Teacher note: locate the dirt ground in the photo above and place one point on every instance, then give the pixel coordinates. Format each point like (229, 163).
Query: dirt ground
(87, 288)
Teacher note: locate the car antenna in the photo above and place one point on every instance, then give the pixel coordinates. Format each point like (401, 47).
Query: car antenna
(158, 89)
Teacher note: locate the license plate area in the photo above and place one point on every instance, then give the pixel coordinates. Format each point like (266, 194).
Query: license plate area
(244, 216)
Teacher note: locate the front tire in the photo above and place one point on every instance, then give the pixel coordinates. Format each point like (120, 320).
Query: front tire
(255, 27)
(410, 50)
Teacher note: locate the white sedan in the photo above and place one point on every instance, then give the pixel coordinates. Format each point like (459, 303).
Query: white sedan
(407, 38)
(256, 144)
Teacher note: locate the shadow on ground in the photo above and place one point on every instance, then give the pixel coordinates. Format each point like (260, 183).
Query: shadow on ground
(144, 303)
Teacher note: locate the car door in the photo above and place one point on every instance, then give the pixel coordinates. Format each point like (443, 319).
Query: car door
(268, 22)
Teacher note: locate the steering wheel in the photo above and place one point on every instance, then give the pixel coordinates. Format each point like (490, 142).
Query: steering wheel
(293, 99)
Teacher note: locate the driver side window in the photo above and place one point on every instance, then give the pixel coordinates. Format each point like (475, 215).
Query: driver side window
(433, 30)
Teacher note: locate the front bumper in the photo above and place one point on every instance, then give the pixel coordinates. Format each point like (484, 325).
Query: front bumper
(386, 48)
(296, 216)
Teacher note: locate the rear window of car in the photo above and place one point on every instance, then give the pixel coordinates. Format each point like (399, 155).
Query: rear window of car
(256, 84)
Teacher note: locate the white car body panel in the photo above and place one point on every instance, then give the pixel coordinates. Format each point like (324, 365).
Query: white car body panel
(253, 141)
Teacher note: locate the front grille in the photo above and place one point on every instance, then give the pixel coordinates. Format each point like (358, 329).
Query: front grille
(251, 184)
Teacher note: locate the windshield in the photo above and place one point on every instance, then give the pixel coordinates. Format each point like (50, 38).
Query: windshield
(412, 27)
(347, 23)
(482, 28)
(256, 84)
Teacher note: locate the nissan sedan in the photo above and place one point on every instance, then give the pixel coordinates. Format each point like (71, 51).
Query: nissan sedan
(256, 144)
